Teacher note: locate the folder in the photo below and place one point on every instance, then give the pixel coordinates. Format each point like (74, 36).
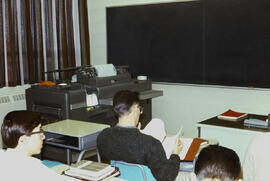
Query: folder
(193, 149)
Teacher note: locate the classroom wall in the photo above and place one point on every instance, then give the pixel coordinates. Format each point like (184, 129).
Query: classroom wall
(11, 98)
(182, 104)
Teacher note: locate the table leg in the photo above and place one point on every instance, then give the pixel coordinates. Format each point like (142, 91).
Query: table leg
(80, 156)
(98, 156)
(68, 156)
(199, 132)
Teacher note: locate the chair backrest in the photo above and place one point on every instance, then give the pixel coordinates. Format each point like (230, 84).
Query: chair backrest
(50, 163)
(133, 172)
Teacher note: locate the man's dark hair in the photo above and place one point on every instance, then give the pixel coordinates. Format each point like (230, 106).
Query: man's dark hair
(123, 100)
(218, 162)
(16, 124)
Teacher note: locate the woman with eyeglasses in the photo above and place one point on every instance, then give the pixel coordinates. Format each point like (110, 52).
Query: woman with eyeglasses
(127, 143)
(23, 137)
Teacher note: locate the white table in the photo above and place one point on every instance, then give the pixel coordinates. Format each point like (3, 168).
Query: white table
(73, 134)
(233, 135)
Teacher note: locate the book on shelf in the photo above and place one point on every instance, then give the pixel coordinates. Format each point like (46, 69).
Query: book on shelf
(90, 170)
(231, 115)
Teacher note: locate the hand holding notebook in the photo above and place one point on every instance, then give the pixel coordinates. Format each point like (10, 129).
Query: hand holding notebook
(189, 150)
(156, 129)
(168, 143)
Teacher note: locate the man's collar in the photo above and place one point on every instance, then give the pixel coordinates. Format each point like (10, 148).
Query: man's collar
(117, 125)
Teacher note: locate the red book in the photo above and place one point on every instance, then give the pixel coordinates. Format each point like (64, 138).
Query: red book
(193, 149)
(231, 115)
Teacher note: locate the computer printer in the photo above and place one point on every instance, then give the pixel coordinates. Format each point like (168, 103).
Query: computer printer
(73, 100)
(55, 102)
(88, 97)
(107, 79)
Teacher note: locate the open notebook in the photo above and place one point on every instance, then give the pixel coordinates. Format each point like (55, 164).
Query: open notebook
(168, 143)
(190, 145)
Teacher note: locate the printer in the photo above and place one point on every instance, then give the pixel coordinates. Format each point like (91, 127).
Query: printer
(74, 100)
(107, 79)
(88, 97)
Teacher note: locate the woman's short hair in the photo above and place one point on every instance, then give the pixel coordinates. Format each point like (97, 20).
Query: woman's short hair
(123, 100)
(218, 162)
(16, 124)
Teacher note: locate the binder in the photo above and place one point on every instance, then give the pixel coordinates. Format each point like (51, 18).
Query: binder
(231, 115)
(193, 149)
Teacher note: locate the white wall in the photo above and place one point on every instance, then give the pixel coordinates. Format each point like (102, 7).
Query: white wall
(181, 104)
(186, 105)
(16, 101)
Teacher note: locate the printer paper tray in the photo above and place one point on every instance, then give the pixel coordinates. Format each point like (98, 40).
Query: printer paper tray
(72, 142)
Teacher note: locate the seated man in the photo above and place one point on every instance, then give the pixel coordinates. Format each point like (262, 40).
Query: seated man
(218, 163)
(23, 137)
(257, 159)
(125, 141)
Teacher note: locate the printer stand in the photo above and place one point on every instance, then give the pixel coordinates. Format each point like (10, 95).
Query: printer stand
(64, 138)
(67, 155)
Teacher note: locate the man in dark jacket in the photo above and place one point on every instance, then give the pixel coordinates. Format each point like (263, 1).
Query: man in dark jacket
(125, 141)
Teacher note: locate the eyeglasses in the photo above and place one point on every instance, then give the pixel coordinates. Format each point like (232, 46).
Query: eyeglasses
(141, 109)
(41, 131)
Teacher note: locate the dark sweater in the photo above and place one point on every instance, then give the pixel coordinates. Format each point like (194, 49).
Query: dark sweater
(130, 145)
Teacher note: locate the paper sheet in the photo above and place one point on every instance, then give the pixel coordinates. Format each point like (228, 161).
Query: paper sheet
(60, 168)
(169, 143)
(105, 70)
(155, 128)
(186, 142)
(91, 100)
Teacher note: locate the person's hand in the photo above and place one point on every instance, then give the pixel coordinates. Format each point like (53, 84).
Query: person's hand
(178, 147)
(139, 125)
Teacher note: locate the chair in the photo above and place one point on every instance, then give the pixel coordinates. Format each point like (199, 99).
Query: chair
(50, 163)
(133, 172)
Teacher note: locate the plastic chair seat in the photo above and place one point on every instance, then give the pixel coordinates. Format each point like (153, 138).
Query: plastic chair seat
(133, 172)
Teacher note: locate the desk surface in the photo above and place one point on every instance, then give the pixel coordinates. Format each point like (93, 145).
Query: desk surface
(74, 128)
(234, 124)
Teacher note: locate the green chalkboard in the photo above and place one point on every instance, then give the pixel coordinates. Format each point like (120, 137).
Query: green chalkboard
(220, 42)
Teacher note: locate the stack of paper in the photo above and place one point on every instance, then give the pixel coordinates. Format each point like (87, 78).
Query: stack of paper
(90, 170)
(105, 70)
